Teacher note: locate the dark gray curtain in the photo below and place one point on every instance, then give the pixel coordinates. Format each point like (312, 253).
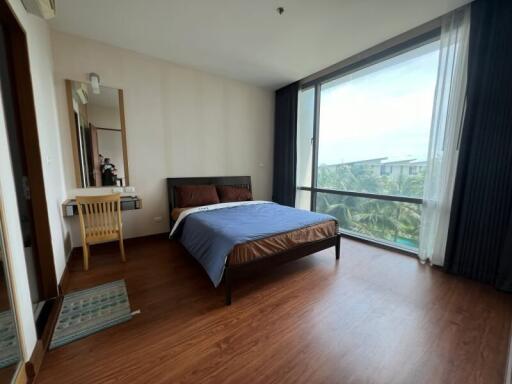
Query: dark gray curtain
(480, 235)
(285, 145)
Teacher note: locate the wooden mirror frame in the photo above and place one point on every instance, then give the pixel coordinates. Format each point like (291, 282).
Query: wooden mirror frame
(74, 141)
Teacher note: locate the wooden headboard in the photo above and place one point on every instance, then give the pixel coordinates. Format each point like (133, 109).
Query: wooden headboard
(234, 181)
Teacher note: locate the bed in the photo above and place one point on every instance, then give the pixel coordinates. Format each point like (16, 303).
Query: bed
(234, 235)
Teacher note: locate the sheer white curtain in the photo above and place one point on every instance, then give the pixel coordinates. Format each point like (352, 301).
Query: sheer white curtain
(444, 136)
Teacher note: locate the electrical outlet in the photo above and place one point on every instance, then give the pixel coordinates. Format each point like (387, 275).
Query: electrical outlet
(158, 219)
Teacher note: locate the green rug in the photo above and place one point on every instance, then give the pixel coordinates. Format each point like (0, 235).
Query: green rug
(91, 310)
(9, 349)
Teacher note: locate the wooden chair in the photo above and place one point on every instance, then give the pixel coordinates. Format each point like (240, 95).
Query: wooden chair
(100, 222)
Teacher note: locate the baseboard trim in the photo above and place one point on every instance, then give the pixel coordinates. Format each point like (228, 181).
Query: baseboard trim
(36, 360)
(33, 366)
(379, 244)
(21, 375)
(64, 279)
(63, 283)
(78, 250)
(162, 235)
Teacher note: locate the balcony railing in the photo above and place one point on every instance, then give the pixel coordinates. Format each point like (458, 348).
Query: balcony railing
(389, 220)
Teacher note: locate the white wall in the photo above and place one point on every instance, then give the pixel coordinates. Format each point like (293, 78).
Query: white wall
(179, 122)
(103, 117)
(42, 80)
(41, 67)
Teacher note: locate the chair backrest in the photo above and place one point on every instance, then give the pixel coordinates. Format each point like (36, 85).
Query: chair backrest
(100, 216)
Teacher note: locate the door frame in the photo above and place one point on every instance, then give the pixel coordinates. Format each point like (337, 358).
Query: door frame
(21, 79)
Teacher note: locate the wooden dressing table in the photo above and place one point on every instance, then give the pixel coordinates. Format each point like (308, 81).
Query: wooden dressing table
(69, 207)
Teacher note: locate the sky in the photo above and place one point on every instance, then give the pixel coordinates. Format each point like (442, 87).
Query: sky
(381, 111)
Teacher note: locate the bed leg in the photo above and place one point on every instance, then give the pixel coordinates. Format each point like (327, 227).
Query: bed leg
(338, 247)
(227, 285)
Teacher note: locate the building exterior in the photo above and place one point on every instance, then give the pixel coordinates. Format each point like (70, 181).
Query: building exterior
(383, 167)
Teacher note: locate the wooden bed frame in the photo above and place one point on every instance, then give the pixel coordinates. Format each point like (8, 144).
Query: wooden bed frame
(233, 271)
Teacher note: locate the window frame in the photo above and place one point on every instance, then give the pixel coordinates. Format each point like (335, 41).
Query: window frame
(377, 56)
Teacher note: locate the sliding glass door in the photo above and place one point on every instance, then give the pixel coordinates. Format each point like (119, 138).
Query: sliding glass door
(362, 144)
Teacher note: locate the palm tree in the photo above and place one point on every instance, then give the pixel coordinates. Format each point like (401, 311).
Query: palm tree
(387, 220)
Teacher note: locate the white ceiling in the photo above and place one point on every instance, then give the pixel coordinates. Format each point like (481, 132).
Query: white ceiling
(246, 39)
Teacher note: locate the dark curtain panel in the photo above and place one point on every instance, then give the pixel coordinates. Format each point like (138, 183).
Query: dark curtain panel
(480, 235)
(285, 144)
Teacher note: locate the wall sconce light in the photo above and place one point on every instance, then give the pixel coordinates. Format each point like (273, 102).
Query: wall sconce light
(94, 78)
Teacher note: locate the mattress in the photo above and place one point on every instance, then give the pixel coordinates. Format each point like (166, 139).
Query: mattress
(176, 213)
(268, 246)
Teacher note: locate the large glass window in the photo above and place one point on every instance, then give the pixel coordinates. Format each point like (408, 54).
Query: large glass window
(392, 222)
(373, 136)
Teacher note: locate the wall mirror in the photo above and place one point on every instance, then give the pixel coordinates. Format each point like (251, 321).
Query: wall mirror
(98, 135)
(10, 354)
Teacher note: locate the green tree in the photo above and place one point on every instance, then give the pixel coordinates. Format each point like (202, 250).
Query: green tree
(382, 219)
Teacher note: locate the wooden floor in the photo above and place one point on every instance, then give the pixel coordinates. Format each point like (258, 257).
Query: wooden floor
(373, 317)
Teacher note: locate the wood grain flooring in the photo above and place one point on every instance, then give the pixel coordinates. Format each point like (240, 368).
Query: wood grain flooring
(373, 317)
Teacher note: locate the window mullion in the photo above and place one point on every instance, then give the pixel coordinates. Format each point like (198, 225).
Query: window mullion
(316, 131)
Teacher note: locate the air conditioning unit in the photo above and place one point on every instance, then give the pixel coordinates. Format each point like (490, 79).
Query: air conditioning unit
(41, 8)
(82, 93)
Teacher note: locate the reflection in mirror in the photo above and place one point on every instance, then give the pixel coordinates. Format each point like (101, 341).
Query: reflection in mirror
(98, 135)
(9, 347)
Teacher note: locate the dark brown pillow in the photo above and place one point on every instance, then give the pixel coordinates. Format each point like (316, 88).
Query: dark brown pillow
(228, 194)
(196, 195)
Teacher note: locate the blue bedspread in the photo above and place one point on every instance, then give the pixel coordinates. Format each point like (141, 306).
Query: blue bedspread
(210, 236)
